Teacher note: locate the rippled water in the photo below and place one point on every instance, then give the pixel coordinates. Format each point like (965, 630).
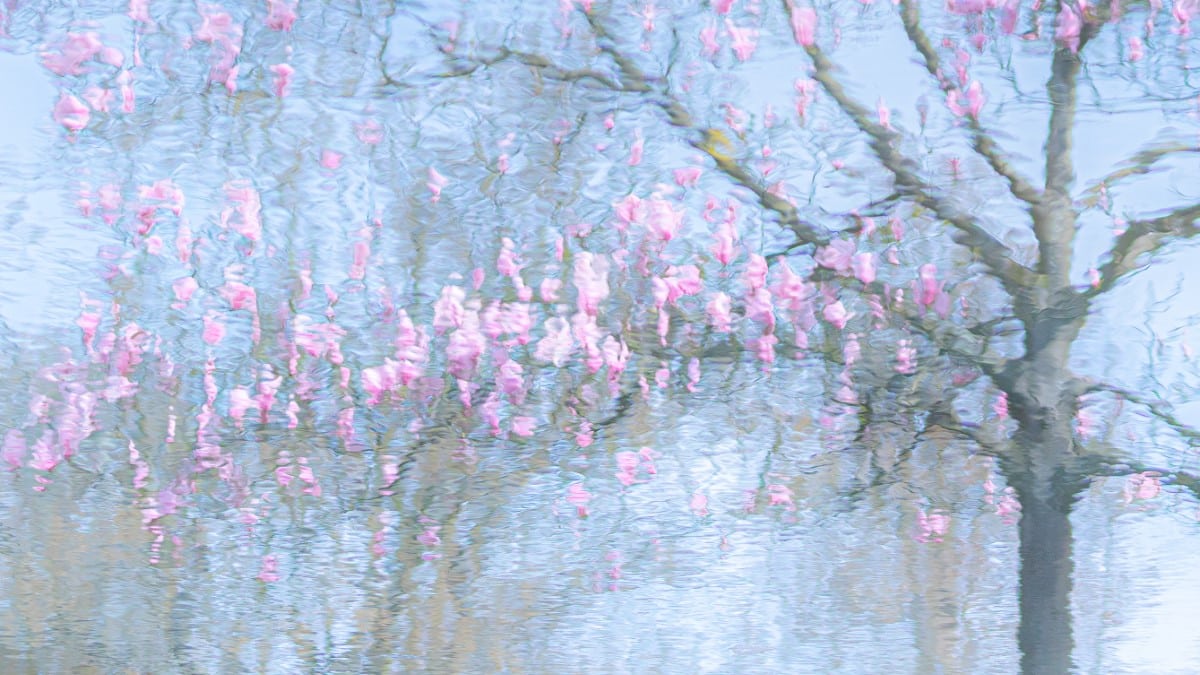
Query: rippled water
(362, 371)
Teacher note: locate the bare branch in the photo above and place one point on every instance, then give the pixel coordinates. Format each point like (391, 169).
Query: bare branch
(1159, 409)
(543, 65)
(1145, 236)
(998, 257)
(1091, 465)
(984, 144)
(1138, 165)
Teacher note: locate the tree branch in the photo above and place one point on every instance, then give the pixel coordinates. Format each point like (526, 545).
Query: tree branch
(1145, 236)
(994, 254)
(541, 63)
(1054, 218)
(634, 79)
(1138, 165)
(1095, 465)
(984, 144)
(1159, 409)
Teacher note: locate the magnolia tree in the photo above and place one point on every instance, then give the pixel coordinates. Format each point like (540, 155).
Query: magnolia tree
(530, 223)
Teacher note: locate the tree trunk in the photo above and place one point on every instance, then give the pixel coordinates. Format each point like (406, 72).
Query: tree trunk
(1039, 471)
(1038, 466)
(1044, 635)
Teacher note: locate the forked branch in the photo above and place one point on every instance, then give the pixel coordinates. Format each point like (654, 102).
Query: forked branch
(1014, 276)
(982, 142)
(635, 79)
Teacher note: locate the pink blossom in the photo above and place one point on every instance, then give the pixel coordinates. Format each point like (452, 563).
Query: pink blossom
(836, 314)
(214, 329)
(71, 112)
(933, 526)
(975, 99)
(1008, 507)
(724, 250)
(1183, 10)
(429, 537)
(756, 272)
(164, 190)
(851, 350)
(330, 159)
(764, 347)
(549, 289)
(377, 380)
(791, 289)
(929, 287)
(448, 310)
(437, 182)
(720, 309)
(1144, 485)
(722, 6)
(45, 458)
(369, 131)
(681, 281)
(510, 381)
(967, 7)
(663, 220)
(465, 348)
(1085, 423)
(627, 465)
(804, 25)
(629, 210)
(558, 343)
(72, 53)
(269, 572)
(578, 497)
(14, 449)
(693, 371)
(243, 216)
(806, 91)
(1000, 406)
(139, 11)
(636, 150)
(906, 358)
(837, 256)
(1070, 23)
(99, 99)
(238, 295)
(864, 267)
(760, 307)
(1010, 11)
(184, 287)
(591, 281)
(239, 403)
(219, 29)
(744, 40)
(780, 495)
(687, 176)
(281, 14)
(506, 260)
(708, 40)
(1136, 51)
(699, 504)
(885, 115)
